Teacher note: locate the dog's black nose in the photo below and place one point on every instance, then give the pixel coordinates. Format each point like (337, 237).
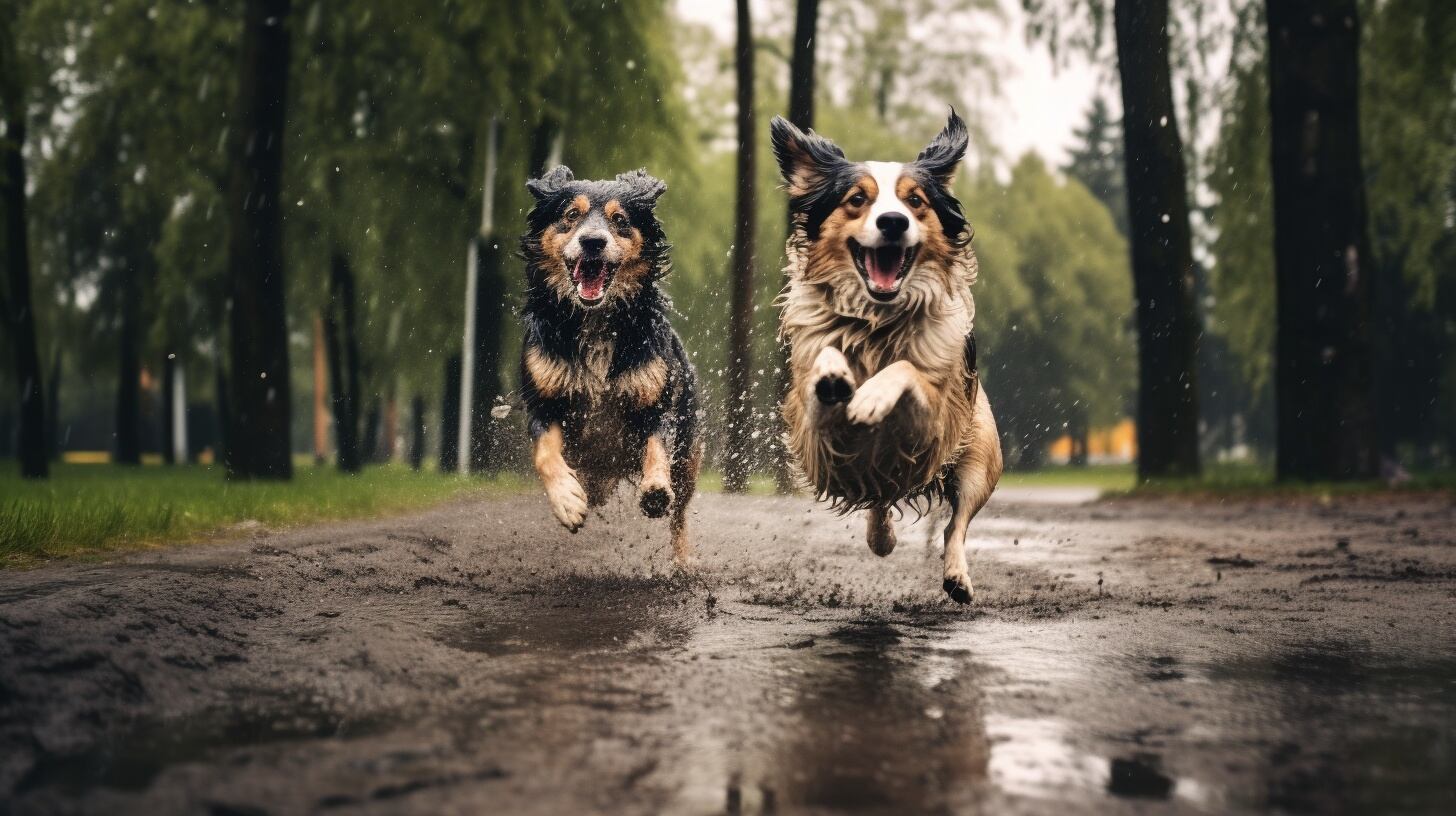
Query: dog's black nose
(593, 244)
(892, 225)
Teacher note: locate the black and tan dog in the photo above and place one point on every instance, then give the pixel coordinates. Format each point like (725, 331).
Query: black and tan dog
(885, 405)
(608, 391)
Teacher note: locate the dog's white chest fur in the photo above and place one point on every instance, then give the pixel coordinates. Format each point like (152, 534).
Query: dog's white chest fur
(875, 463)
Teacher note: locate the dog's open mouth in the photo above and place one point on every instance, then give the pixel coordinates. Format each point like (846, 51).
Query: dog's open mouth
(883, 268)
(592, 276)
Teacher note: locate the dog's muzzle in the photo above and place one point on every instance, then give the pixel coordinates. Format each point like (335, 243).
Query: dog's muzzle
(883, 268)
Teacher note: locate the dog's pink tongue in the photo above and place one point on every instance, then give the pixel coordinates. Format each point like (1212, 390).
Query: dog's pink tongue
(591, 289)
(588, 287)
(882, 275)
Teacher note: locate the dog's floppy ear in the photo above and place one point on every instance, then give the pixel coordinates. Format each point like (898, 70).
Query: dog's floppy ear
(551, 183)
(646, 187)
(805, 159)
(945, 151)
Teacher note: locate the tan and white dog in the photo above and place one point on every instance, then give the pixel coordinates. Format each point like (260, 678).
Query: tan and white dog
(885, 406)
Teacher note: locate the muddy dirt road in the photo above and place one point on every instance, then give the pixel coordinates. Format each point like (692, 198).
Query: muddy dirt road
(1121, 657)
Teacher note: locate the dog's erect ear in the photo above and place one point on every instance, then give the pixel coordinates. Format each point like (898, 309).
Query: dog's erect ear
(940, 157)
(645, 187)
(805, 159)
(551, 183)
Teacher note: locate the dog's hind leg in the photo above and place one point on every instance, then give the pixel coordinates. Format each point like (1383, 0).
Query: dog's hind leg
(656, 480)
(881, 533)
(568, 500)
(684, 484)
(975, 477)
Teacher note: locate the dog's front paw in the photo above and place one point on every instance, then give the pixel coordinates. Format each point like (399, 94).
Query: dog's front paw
(832, 389)
(833, 381)
(873, 402)
(568, 502)
(656, 499)
(958, 586)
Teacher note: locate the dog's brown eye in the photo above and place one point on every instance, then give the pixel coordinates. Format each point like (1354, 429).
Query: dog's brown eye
(620, 220)
(571, 215)
(915, 200)
(858, 200)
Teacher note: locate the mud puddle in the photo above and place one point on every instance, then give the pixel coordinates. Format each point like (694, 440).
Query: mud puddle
(135, 753)
(1108, 666)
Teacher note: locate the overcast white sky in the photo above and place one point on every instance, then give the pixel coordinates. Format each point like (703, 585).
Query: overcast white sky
(1041, 106)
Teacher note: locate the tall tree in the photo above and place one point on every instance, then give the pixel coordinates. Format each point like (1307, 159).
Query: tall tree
(801, 65)
(259, 444)
(53, 408)
(16, 309)
(450, 416)
(417, 433)
(1323, 351)
(801, 115)
(1408, 147)
(1162, 255)
(738, 458)
(1054, 329)
(341, 338)
(1096, 161)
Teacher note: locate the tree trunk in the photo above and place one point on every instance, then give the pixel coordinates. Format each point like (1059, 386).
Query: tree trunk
(259, 444)
(1323, 348)
(7, 431)
(224, 413)
(1162, 258)
(390, 430)
(801, 65)
(320, 393)
(450, 417)
(370, 443)
(417, 433)
(1078, 431)
(738, 458)
(15, 307)
(543, 146)
(490, 297)
(129, 371)
(343, 354)
(53, 409)
(801, 115)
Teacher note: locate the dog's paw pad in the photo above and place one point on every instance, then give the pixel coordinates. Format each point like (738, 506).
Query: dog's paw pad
(655, 501)
(832, 389)
(959, 589)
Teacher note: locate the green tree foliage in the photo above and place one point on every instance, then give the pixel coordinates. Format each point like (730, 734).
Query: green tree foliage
(1243, 277)
(1053, 306)
(388, 108)
(1096, 161)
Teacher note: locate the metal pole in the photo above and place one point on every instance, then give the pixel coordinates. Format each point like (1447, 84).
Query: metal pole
(467, 352)
(179, 414)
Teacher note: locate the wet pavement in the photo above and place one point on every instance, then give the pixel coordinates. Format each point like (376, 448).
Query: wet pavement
(1129, 656)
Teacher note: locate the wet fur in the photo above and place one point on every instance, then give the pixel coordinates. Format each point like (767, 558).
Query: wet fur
(885, 407)
(609, 392)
